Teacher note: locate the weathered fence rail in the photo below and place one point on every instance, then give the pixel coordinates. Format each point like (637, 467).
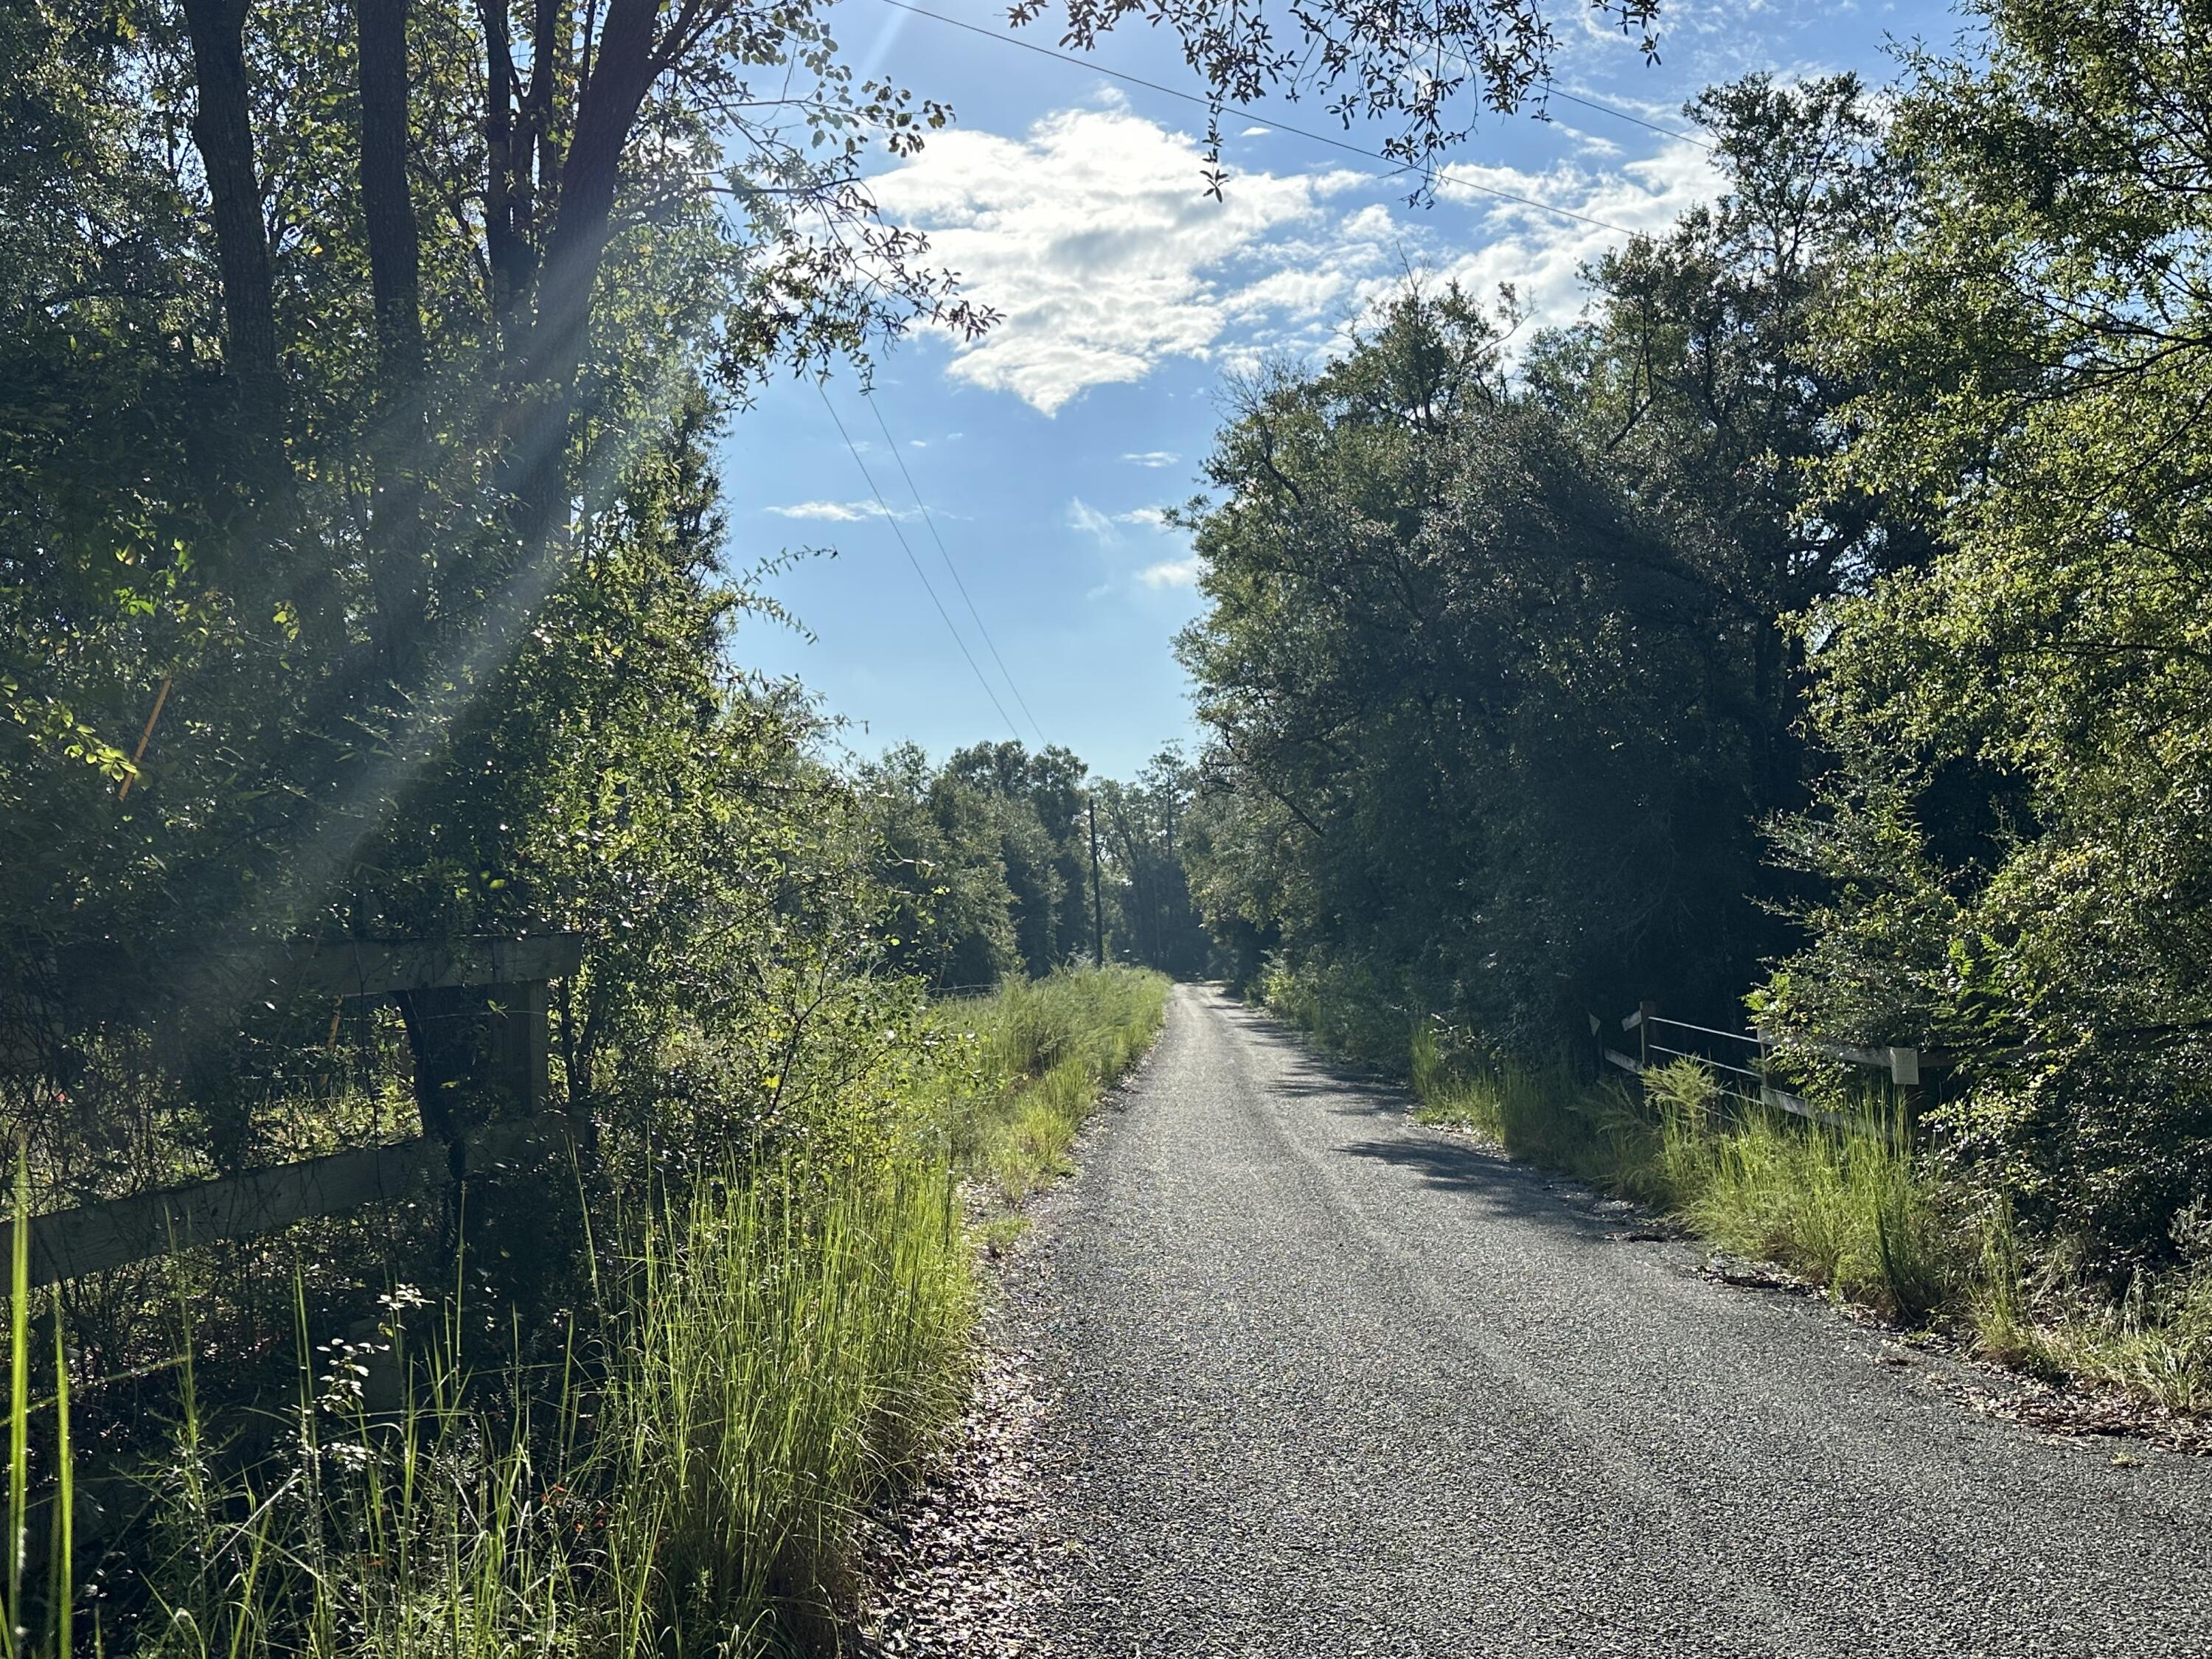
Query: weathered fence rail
(1903, 1065)
(512, 976)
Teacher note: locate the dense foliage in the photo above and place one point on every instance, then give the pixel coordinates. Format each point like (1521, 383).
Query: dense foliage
(1820, 622)
(359, 568)
(1495, 663)
(2014, 836)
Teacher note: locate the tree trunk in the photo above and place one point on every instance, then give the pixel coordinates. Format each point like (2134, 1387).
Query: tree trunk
(396, 536)
(387, 204)
(506, 236)
(224, 131)
(607, 106)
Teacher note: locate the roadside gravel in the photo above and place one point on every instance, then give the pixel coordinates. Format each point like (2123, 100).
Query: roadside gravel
(1317, 1381)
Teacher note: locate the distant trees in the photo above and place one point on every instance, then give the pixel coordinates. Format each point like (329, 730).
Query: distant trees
(1143, 828)
(990, 858)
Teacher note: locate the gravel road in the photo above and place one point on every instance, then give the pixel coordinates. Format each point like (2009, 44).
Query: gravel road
(1322, 1382)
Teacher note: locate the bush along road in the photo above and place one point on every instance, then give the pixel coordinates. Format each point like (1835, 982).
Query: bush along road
(1319, 1381)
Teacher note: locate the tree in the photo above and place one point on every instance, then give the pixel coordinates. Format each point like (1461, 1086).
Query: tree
(2013, 834)
(1498, 668)
(953, 920)
(354, 397)
(1477, 712)
(1699, 375)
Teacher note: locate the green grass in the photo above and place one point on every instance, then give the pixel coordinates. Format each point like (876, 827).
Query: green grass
(2155, 1342)
(767, 1360)
(1546, 1114)
(778, 1355)
(1039, 1053)
(1844, 1206)
(1849, 1207)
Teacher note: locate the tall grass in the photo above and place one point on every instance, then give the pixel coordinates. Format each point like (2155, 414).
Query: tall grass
(1040, 1053)
(1846, 1205)
(2155, 1340)
(770, 1356)
(781, 1368)
(779, 1353)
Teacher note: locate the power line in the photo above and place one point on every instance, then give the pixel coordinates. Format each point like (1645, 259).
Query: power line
(1345, 144)
(929, 519)
(1551, 90)
(891, 518)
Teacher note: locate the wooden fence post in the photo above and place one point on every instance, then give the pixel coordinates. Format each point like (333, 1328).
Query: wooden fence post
(478, 1018)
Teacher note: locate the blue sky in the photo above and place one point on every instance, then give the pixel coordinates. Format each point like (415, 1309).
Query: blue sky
(1073, 204)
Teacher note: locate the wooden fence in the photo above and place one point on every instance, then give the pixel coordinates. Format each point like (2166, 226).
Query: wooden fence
(501, 983)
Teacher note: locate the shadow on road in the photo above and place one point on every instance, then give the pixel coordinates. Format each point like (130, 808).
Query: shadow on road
(1502, 1186)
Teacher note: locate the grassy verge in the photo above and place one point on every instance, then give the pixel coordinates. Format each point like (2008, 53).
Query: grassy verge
(1037, 1054)
(773, 1358)
(1849, 1207)
(768, 1359)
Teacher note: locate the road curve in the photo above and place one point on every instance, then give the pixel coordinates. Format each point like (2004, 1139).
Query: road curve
(1321, 1381)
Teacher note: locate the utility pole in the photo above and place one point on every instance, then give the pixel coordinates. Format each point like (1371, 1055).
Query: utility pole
(1097, 905)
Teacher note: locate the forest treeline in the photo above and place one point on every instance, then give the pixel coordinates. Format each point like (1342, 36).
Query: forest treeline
(992, 855)
(1820, 624)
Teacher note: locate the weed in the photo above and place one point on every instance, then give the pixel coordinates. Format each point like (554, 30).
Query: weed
(2154, 1342)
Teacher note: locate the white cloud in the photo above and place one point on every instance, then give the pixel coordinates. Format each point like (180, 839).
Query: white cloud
(1093, 237)
(1588, 142)
(1299, 292)
(1152, 518)
(1542, 253)
(1256, 132)
(1082, 516)
(835, 512)
(1172, 572)
(1153, 458)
